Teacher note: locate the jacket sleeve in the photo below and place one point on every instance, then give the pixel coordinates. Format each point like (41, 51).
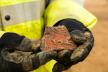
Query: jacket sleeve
(62, 9)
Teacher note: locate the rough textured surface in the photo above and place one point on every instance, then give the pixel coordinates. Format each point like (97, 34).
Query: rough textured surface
(57, 38)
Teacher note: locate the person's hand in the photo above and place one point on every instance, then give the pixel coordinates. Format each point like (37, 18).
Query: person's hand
(19, 54)
(84, 40)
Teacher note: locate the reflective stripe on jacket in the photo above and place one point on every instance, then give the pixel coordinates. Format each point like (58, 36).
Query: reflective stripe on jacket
(23, 17)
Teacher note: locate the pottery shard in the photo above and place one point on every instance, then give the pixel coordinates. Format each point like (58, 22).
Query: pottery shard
(57, 38)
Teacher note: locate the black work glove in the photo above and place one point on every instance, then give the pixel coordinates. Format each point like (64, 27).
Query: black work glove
(19, 61)
(18, 54)
(16, 42)
(84, 40)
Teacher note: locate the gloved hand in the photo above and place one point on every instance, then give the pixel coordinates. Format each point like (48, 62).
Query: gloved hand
(18, 54)
(84, 40)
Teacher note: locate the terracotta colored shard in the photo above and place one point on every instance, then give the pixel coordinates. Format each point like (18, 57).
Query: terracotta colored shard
(57, 38)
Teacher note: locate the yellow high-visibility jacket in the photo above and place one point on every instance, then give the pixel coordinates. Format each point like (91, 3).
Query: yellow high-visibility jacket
(27, 17)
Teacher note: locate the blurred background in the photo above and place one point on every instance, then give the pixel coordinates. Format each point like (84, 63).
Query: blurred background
(97, 61)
